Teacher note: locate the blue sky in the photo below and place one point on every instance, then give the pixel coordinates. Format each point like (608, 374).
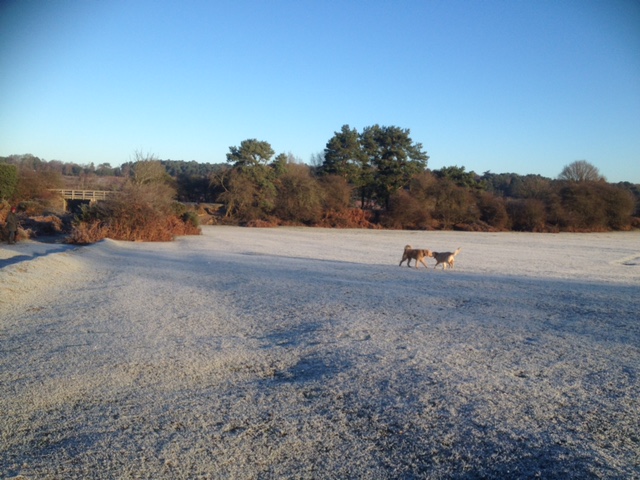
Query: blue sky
(500, 86)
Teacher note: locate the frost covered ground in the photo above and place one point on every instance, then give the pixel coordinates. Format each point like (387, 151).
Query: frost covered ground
(308, 353)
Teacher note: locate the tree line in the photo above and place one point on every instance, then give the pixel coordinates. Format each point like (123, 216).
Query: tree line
(377, 177)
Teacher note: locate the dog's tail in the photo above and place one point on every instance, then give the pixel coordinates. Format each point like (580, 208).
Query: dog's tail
(457, 251)
(407, 247)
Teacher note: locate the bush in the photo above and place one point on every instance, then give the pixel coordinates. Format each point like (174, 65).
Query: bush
(299, 197)
(351, 218)
(191, 218)
(596, 206)
(454, 204)
(35, 185)
(407, 211)
(493, 211)
(249, 194)
(620, 206)
(336, 193)
(527, 215)
(139, 213)
(84, 233)
(8, 180)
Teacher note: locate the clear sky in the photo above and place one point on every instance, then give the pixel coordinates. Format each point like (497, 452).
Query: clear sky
(500, 86)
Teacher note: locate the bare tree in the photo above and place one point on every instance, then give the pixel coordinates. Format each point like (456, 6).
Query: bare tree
(148, 169)
(580, 171)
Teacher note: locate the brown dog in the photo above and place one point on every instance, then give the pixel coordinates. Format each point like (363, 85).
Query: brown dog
(415, 254)
(446, 258)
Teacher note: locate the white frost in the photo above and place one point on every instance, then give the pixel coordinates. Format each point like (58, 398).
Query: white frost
(308, 353)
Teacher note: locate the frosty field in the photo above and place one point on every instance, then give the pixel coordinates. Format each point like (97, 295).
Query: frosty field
(309, 353)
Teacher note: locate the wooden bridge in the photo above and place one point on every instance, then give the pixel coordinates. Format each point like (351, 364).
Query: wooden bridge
(82, 196)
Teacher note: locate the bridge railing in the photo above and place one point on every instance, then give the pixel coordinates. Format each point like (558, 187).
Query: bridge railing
(91, 195)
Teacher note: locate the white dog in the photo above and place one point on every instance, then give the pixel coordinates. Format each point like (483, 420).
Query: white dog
(445, 258)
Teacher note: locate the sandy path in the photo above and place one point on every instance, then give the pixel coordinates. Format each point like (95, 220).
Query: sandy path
(295, 353)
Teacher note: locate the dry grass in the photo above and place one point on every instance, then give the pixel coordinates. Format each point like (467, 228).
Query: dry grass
(162, 229)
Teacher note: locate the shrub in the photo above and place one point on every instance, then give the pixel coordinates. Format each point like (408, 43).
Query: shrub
(191, 218)
(8, 180)
(454, 204)
(32, 207)
(336, 193)
(527, 215)
(249, 194)
(351, 218)
(259, 223)
(139, 213)
(35, 185)
(595, 206)
(407, 211)
(299, 198)
(493, 211)
(84, 233)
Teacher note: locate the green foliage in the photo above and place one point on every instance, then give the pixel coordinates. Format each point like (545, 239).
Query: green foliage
(279, 165)
(105, 170)
(180, 168)
(394, 157)
(461, 178)
(190, 217)
(454, 204)
(251, 153)
(377, 162)
(249, 193)
(343, 156)
(514, 185)
(8, 180)
(249, 187)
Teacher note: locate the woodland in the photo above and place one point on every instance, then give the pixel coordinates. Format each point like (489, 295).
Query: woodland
(376, 178)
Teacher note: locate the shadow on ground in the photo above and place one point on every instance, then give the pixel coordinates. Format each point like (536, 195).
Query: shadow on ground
(32, 249)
